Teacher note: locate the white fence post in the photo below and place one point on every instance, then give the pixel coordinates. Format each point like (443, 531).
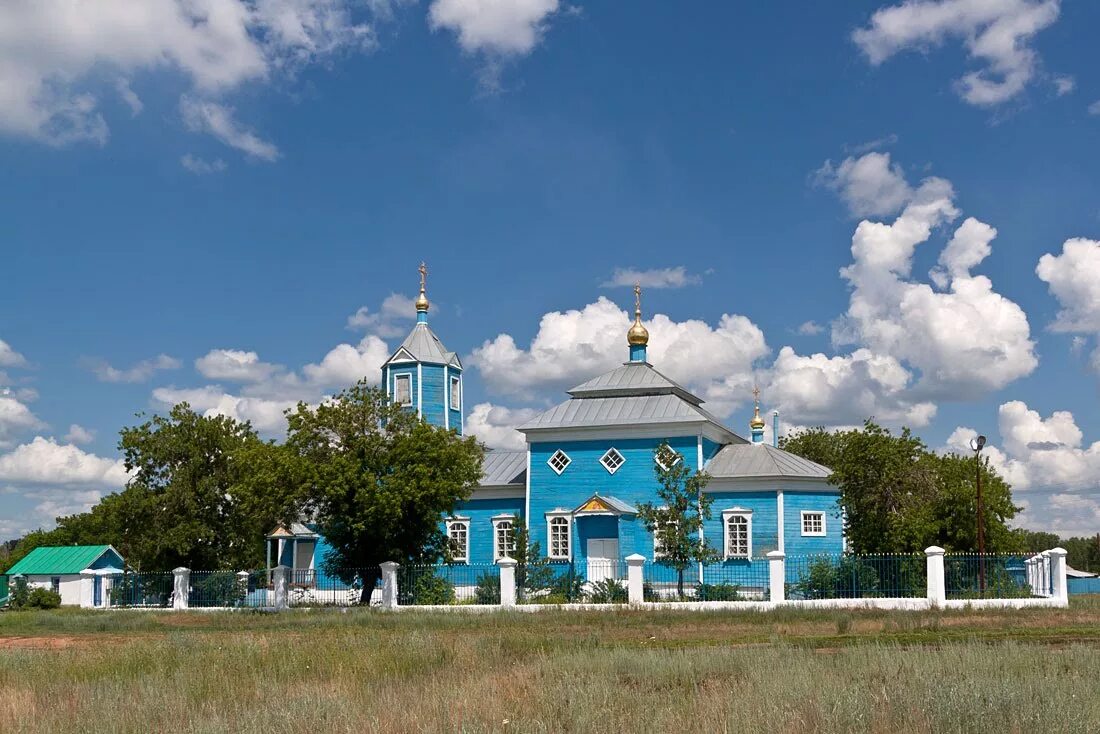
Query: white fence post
(937, 583)
(1059, 586)
(777, 576)
(1029, 573)
(1044, 574)
(389, 584)
(181, 587)
(282, 588)
(507, 581)
(635, 585)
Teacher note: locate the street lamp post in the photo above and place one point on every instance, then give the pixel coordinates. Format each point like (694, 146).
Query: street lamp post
(977, 444)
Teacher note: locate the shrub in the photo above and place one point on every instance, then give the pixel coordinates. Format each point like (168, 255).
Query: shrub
(568, 586)
(844, 578)
(718, 592)
(608, 591)
(428, 588)
(40, 598)
(216, 589)
(488, 589)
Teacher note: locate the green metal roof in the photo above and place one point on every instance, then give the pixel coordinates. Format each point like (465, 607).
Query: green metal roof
(58, 560)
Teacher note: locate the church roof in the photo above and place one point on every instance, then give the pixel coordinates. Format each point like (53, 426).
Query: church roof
(422, 345)
(762, 460)
(633, 378)
(502, 467)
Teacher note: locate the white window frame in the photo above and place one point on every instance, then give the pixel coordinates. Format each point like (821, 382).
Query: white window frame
(397, 378)
(728, 515)
(554, 519)
(658, 553)
(550, 462)
(812, 533)
(607, 453)
(498, 523)
(456, 392)
(657, 457)
(464, 521)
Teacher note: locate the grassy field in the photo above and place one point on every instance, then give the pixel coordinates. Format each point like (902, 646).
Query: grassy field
(790, 671)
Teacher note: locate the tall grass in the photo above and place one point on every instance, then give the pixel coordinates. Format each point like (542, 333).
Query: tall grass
(549, 672)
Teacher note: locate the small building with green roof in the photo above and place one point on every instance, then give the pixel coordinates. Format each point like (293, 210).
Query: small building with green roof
(79, 573)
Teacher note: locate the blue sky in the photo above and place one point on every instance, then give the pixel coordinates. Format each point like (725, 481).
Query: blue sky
(198, 198)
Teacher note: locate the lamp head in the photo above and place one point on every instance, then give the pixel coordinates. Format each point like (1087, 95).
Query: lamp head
(977, 443)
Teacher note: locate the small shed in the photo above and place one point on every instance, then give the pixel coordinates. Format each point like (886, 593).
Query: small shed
(79, 573)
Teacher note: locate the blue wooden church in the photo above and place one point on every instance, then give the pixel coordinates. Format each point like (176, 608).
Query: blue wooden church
(589, 463)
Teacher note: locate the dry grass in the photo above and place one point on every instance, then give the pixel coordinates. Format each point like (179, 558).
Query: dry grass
(1027, 671)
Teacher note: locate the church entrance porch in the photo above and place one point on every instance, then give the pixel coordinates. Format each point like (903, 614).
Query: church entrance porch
(597, 523)
(602, 559)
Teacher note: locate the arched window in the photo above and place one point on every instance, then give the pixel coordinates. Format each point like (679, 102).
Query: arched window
(504, 538)
(558, 534)
(738, 533)
(458, 535)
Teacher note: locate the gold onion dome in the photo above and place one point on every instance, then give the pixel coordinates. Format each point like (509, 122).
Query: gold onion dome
(422, 299)
(638, 334)
(757, 422)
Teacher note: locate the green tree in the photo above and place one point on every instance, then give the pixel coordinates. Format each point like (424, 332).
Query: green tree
(375, 478)
(898, 496)
(678, 520)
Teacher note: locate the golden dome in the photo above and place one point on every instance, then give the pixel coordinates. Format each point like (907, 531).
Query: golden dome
(422, 299)
(638, 336)
(757, 422)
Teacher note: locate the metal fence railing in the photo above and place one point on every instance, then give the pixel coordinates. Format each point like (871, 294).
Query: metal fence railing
(458, 583)
(339, 587)
(149, 589)
(849, 576)
(729, 580)
(988, 576)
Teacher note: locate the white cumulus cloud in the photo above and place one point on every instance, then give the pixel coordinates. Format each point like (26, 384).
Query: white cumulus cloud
(44, 461)
(140, 372)
(9, 357)
(870, 185)
(78, 434)
(996, 33)
(495, 425)
(674, 277)
(505, 27)
(234, 365)
(1074, 279)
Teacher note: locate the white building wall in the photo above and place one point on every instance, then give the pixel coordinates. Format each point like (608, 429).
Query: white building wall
(70, 587)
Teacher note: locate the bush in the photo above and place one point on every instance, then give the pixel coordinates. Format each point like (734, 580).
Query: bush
(845, 578)
(608, 591)
(488, 589)
(40, 598)
(428, 588)
(718, 592)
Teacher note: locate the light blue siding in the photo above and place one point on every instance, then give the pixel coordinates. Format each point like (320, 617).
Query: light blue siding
(765, 519)
(481, 514)
(797, 544)
(433, 394)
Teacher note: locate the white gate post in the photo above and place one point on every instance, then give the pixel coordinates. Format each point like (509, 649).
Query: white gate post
(87, 595)
(635, 586)
(937, 583)
(1029, 574)
(507, 581)
(1044, 573)
(777, 576)
(282, 588)
(181, 587)
(1059, 586)
(389, 584)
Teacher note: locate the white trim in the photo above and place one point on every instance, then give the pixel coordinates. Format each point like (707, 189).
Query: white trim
(386, 379)
(419, 390)
(398, 358)
(699, 452)
(559, 515)
(399, 376)
(802, 523)
(618, 466)
(764, 484)
(465, 521)
(780, 520)
(726, 515)
(632, 430)
(498, 520)
(550, 462)
(508, 492)
(447, 408)
(527, 487)
(461, 403)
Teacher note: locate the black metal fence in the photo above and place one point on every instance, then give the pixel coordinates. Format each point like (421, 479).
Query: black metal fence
(986, 576)
(848, 576)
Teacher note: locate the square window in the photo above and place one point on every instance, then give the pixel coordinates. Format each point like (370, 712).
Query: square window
(667, 457)
(813, 523)
(612, 460)
(559, 461)
(456, 393)
(402, 389)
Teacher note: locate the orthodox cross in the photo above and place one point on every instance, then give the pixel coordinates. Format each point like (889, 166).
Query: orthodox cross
(423, 270)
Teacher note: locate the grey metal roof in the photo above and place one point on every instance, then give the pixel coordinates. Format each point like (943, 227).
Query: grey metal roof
(501, 468)
(633, 378)
(762, 460)
(424, 346)
(616, 411)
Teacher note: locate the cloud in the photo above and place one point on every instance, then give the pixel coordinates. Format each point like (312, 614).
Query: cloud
(56, 57)
(574, 345)
(140, 372)
(1046, 461)
(870, 185)
(995, 34)
(199, 166)
(217, 120)
(877, 144)
(1064, 84)
(1074, 279)
(210, 400)
(387, 322)
(44, 461)
(1094, 108)
(810, 328)
(78, 434)
(9, 357)
(344, 364)
(495, 425)
(15, 417)
(499, 27)
(234, 365)
(674, 277)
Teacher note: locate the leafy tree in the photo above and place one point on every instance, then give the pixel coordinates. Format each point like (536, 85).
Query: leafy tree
(898, 496)
(375, 478)
(677, 521)
(533, 571)
(1028, 541)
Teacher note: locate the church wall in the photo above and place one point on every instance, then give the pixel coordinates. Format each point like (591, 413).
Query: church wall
(404, 369)
(432, 394)
(634, 482)
(765, 520)
(797, 544)
(710, 448)
(481, 513)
